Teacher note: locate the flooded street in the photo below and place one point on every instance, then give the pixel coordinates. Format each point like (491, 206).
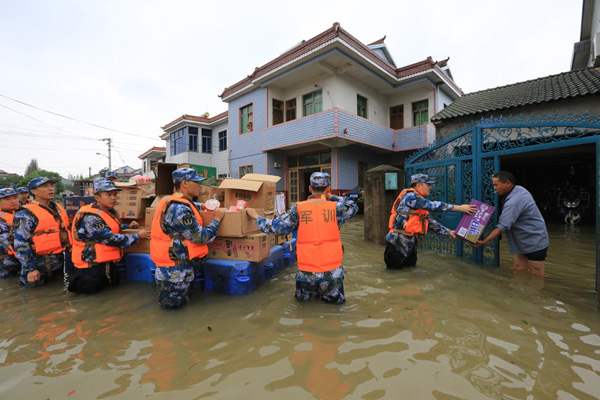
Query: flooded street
(447, 329)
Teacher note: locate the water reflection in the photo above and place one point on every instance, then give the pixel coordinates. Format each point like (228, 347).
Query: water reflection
(447, 329)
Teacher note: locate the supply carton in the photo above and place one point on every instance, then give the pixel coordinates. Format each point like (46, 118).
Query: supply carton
(234, 223)
(133, 200)
(257, 190)
(149, 216)
(248, 248)
(471, 227)
(74, 203)
(143, 246)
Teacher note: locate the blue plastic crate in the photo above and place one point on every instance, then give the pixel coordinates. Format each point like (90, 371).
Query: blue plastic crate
(232, 276)
(274, 263)
(198, 283)
(289, 253)
(140, 267)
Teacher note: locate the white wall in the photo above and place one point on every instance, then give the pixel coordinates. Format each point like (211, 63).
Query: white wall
(220, 159)
(409, 97)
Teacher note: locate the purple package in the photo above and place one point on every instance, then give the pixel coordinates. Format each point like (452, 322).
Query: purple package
(471, 227)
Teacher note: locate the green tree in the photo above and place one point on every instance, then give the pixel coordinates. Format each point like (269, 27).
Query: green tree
(13, 181)
(32, 166)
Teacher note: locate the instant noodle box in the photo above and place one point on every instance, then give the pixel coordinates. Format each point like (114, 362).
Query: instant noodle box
(248, 248)
(258, 190)
(234, 223)
(471, 227)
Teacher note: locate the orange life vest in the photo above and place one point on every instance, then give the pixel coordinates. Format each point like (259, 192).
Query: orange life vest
(319, 248)
(8, 218)
(415, 224)
(47, 238)
(161, 243)
(102, 252)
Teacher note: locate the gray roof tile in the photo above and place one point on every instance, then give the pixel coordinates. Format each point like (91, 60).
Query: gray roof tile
(554, 87)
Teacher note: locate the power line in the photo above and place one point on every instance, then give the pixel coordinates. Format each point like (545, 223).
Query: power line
(72, 119)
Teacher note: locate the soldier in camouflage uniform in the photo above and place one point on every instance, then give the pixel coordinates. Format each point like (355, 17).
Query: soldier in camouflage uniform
(318, 276)
(9, 203)
(39, 265)
(178, 239)
(401, 249)
(95, 265)
(23, 195)
(111, 176)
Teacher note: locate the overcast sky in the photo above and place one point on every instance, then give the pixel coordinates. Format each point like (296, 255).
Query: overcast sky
(134, 66)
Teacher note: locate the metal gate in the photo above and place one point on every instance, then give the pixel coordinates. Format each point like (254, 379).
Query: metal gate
(464, 161)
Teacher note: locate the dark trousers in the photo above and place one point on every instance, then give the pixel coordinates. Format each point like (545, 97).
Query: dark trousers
(93, 279)
(396, 260)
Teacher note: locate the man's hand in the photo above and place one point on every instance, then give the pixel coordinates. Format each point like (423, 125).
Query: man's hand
(134, 225)
(252, 213)
(144, 234)
(33, 276)
(478, 244)
(219, 214)
(453, 235)
(466, 208)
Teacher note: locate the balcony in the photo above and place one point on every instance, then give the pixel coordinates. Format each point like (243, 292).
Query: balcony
(338, 128)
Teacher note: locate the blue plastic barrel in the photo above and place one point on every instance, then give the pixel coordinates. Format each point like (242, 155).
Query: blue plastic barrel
(231, 276)
(289, 253)
(140, 267)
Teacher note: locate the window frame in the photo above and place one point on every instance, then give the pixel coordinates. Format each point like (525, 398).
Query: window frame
(206, 141)
(312, 103)
(417, 113)
(250, 119)
(192, 137)
(223, 139)
(250, 171)
(363, 108)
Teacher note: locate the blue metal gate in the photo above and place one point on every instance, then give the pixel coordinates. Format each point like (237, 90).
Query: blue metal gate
(464, 161)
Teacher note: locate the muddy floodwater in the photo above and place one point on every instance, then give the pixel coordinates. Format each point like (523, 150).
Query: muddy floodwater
(447, 329)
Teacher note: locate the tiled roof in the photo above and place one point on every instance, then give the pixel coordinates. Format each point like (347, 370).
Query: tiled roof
(155, 148)
(195, 119)
(325, 37)
(554, 87)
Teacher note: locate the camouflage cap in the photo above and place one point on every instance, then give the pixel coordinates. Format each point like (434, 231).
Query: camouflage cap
(110, 174)
(421, 178)
(104, 185)
(320, 179)
(186, 174)
(22, 189)
(5, 192)
(37, 182)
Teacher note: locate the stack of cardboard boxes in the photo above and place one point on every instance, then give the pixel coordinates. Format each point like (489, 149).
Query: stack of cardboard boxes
(238, 237)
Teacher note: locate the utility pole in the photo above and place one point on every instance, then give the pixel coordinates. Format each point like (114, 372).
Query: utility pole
(90, 175)
(109, 143)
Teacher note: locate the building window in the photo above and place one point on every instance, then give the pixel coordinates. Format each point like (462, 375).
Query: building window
(313, 102)
(206, 141)
(290, 110)
(222, 140)
(193, 139)
(361, 106)
(420, 112)
(246, 169)
(246, 119)
(277, 112)
(177, 140)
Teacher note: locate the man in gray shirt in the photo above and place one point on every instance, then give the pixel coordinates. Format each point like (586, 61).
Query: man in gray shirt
(522, 223)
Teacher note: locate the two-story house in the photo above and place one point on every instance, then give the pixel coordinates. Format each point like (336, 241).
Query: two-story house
(332, 104)
(198, 140)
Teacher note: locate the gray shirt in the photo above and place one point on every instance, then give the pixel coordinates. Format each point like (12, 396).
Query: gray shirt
(522, 223)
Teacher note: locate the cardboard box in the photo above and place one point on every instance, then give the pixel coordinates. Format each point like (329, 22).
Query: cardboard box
(149, 216)
(133, 200)
(143, 246)
(257, 190)
(211, 192)
(471, 227)
(236, 223)
(74, 203)
(248, 248)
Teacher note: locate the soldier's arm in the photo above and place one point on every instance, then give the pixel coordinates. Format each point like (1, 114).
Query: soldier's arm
(345, 209)
(282, 225)
(419, 203)
(24, 224)
(95, 229)
(180, 219)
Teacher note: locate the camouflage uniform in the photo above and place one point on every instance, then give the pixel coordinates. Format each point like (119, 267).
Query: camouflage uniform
(174, 284)
(92, 228)
(50, 266)
(328, 285)
(9, 265)
(23, 190)
(401, 250)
